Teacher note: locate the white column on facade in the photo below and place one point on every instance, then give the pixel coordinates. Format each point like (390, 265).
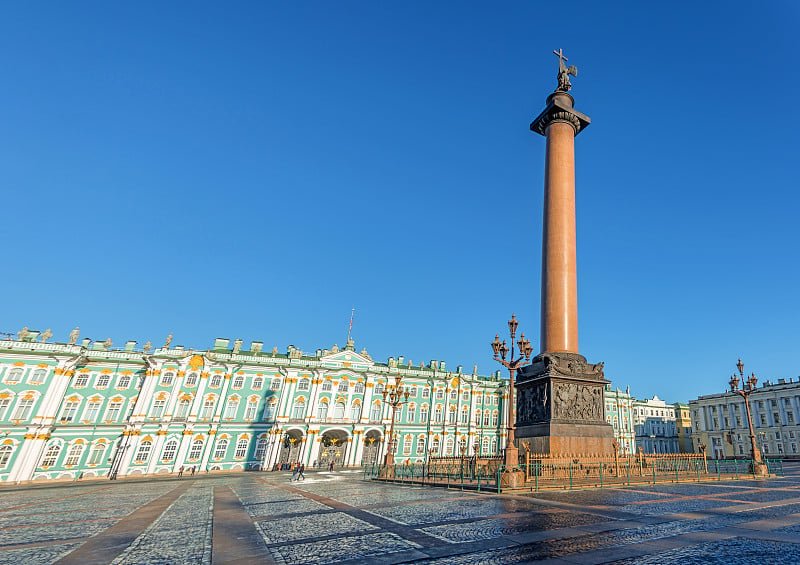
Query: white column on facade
(183, 449)
(366, 403)
(208, 449)
(155, 455)
(287, 393)
(313, 452)
(145, 395)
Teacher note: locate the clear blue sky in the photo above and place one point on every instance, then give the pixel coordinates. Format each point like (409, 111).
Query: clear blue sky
(254, 170)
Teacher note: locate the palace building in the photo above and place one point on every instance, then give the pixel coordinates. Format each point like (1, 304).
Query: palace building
(85, 409)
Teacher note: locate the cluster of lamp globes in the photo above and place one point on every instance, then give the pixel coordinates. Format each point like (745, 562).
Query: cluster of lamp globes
(747, 385)
(500, 348)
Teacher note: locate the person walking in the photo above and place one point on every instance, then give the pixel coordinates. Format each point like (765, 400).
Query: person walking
(194, 468)
(300, 471)
(331, 466)
(294, 472)
(180, 471)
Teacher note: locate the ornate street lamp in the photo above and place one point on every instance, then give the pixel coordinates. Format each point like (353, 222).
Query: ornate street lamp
(748, 388)
(501, 350)
(395, 395)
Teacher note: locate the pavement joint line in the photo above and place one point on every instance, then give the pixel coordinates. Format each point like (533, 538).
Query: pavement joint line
(403, 530)
(53, 499)
(235, 539)
(105, 546)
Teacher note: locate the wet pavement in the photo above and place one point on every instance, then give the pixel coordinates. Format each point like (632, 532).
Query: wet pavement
(339, 518)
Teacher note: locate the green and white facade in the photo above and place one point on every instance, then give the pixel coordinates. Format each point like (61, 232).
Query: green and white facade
(82, 409)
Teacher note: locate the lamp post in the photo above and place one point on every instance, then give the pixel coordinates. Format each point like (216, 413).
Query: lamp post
(512, 476)
(748, 387)
(395, 395)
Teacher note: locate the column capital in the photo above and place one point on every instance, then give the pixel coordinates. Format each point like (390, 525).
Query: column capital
(560, 109)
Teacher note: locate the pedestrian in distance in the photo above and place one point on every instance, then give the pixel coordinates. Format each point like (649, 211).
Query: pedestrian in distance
(331, 466)
(194, 468)
(300, 471)
(180, 471)
(294, 472)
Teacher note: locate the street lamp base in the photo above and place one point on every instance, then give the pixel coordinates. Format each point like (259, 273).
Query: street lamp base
(512, 479)
(759, 469)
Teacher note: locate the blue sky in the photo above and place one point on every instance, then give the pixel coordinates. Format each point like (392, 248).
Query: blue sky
(254, 170)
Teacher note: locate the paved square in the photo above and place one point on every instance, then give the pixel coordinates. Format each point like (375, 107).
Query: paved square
(340, 518)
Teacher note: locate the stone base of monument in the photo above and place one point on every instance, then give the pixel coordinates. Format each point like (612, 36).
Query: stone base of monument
(759, 469)
(512, 479)
(560, 406)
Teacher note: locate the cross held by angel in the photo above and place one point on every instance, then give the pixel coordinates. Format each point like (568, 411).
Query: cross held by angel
(564, 85)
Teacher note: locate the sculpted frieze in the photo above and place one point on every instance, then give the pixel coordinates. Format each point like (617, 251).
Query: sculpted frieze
(572, 401)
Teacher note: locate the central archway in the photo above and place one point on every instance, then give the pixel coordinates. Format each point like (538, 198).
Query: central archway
(333, 448)
(290, 447)
(372, 447)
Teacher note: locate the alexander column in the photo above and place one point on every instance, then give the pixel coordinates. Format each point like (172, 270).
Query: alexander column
(560, 395)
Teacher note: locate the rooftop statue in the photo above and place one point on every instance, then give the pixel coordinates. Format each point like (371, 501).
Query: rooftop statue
(564, 85)
(73, 335)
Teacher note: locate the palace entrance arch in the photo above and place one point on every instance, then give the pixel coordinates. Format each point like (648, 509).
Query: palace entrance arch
(372, 447)
(290, 447)
(333, 448)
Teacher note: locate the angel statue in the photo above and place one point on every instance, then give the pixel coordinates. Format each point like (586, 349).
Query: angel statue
(23, 333)
(169, 340)
(107, 343)
(148, 346)
(564, 85)
(73, 335)
(46, 335)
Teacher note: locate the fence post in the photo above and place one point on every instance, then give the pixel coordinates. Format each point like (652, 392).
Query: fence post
(697, 466)
(570, 474)
(601, 474)
(677, 475)
(536, 478)
(654, 472)
(716, 463)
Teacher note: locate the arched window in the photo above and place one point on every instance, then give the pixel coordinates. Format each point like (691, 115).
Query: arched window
(96, 456)
(196, 451)
(261, 448)
(124, 381)
(38, 377)
(407, 445)
(303, 384)
(4, 404)
(421, 445)
(258, 383)
(327, 386)
(216, 381)
(238, 382)
(170, 450)
(465, 415)
(14, 376)
(344, 386)
(379, 388)
(241, 449)
(465, 396)
(166, 378)
(299, 409)
(375, 412)
(191, 379)
(182, 410)
(451, 415)
(485, 446)
(5, 455)
(355, 412)
(102, 381)
(437, 414)
(250, 409)
(486, 416)
(276, 384)
(269, 409)
(157, 411)
(143, 453)
(81, 380)
(440, 394)
(435, 445)
(358, 388)
(478, 414)
(322, 410)
(92, 410)
(208, 408)
(411, 413)
(51, 455)
(494, 446)
(69, 410)
(338, 410)
(221, 449)
(462, 446)
(23, 409)
(495, 418)
(449, 444)
(423, 414)
(231, 407)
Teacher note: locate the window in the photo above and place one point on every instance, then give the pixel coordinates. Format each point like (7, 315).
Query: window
(420, 445)
(92, 411)
(23, 409)
(299, 410)
(344, 387)
(182, 410)
(407, 445)
(231, 407)
(113, 410)
(379, 388)
(426, 392)
(258, 383)
(276, 384)
(435, 445)
(208, 409)
(423, 414)
(190, 380)
(790, 418)
(355, 412)
(216, 381)
(411, 413)
(358, 388)
(124, 381)
(250, 409)
(495, 418)
(261, 448)
(439, 394)
(81, 380)
(159, 405)
(5, 455)
(453, 394)
(196, 451)
(269, 410)
(451, 415)
(322, 410)
(486, 416)
(478, 414)
(51, 455)
(304, 384)
(494, 445)
(327, 386)
(449, 445)
(74, 455)
(375, 412)
(167, 378)
(14, 376)
(102, 381)
(338, 411)
(241, 449)
(221, 449)
(37, 377)
(485, 446)
(763, 418)
(465, 415)
(4, 403)
(465, 396)
(68, 413)
(143, 453)
(238, 382)
(437, 415)
(170, 449)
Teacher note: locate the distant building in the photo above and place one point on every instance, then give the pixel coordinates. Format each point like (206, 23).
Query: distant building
(655, 426)
(619, 413)
(683, 423)
(720, 421)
